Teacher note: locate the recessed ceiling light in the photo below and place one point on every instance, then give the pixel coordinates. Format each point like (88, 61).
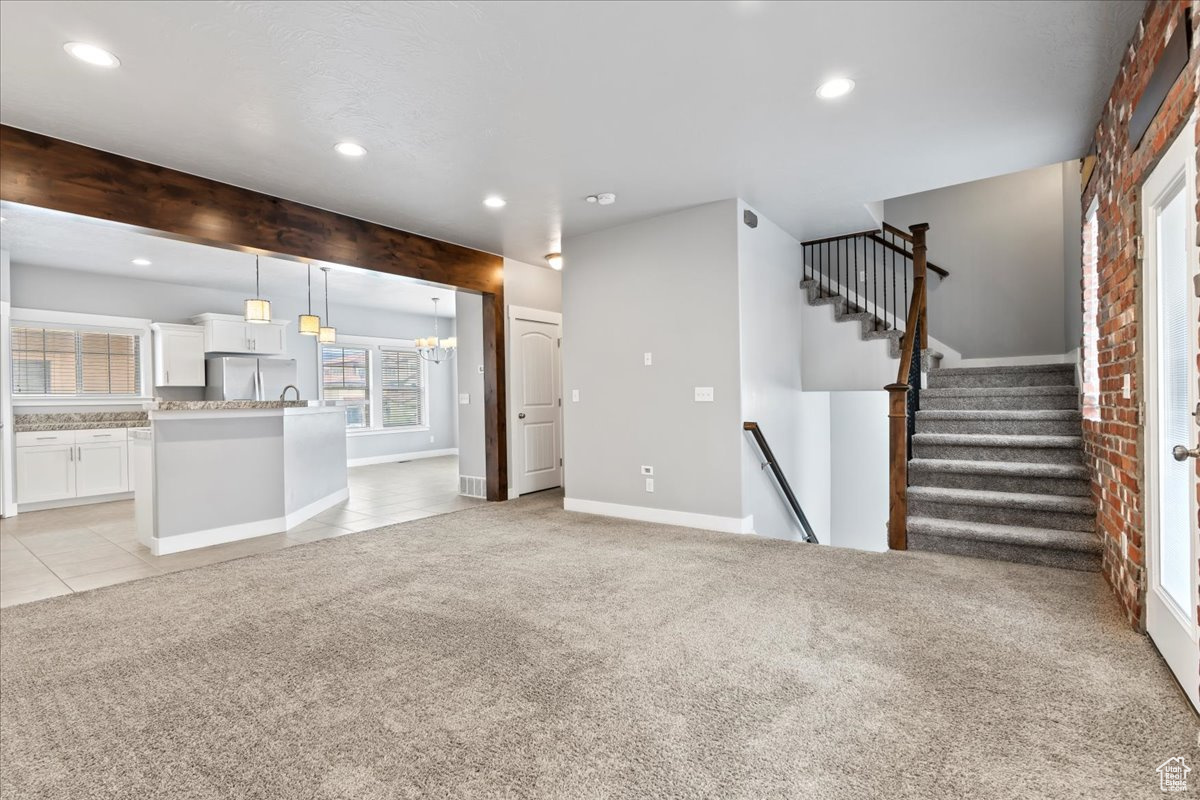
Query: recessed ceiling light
(350, 149)
(835, 88)
(494, 201)
(91, 54)
(554, 260)
(142, 262)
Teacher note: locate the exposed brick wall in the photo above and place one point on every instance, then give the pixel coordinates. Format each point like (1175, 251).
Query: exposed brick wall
(1114, 443)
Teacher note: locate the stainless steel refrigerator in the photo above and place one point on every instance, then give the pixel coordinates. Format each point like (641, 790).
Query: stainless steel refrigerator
(247, 377)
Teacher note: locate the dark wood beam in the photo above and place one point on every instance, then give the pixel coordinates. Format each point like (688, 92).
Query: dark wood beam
(41, 171)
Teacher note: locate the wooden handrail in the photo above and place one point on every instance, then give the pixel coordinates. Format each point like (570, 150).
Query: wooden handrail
(875, 237)
(781, 479)
(854, 235)
(892, 229)
(898, 396)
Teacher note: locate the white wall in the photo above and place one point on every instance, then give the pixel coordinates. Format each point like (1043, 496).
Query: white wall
(668, 286)
(65, 290)
(1002, 239)
(1072, 254)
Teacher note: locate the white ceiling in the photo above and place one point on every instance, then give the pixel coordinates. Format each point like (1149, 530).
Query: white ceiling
(51, 239)
(668, 104)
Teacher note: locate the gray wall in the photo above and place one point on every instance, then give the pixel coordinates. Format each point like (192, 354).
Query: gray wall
(668, 286)
(532, 286)
(472, 452)
(1002, 239)
(91, 293)
(1072, 254)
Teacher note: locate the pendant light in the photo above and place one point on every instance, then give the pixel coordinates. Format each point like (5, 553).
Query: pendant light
(310, 324)
(326, 334)
(258, 310)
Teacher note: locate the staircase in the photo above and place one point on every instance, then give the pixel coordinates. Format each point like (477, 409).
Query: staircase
(843, 311)
(997, 469)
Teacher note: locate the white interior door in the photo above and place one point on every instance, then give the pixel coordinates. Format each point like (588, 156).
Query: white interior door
(1172, 532)
(538, 402)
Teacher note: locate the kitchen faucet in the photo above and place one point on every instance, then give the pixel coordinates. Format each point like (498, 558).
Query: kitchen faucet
(283, 394)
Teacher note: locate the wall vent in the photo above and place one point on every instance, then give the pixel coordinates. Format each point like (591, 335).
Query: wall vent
(471, 486)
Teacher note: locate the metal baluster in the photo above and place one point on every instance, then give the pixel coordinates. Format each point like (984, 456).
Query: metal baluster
(857, 296)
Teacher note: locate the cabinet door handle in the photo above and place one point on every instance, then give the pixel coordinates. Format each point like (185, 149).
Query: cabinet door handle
(168, 376)
(46, 437)
(80, 449)
(72, 453)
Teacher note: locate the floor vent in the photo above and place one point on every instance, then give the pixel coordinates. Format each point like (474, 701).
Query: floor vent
(472, 486)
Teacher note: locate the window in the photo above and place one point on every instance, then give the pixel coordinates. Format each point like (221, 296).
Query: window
(346, 376)
(67, 362)
(402, 382)
(1090, 355)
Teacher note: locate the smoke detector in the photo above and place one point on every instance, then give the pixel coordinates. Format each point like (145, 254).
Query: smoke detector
(603, 199)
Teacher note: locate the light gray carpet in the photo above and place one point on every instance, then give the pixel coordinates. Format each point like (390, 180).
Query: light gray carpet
(520, 651)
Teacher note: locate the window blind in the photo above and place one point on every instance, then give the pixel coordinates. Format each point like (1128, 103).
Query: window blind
(402, 388)
(346, 376)
(75, 363)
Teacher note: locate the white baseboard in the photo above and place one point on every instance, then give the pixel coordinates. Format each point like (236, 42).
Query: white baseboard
(392, 457)
(685, 519)
(246, 530)
(73, 501)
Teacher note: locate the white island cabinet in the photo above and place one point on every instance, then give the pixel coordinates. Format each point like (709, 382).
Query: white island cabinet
(209, 472)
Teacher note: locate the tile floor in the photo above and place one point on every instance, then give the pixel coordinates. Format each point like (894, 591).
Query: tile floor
(48, 553)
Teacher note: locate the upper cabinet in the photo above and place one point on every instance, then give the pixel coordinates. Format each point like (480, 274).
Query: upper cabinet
(178, 355)
(225, 333)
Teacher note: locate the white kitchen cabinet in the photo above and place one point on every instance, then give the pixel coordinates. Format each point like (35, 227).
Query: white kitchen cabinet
(101, 468)
(45, 472)
(178, 355)
(225, 333)
(67, 465)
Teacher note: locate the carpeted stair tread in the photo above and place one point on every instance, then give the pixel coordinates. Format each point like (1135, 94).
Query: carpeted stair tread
(997, 440)
(999, 391)
(1040, 538)
(1009, 500)
(1024, 415)
(1019, 369)
(1020, 469)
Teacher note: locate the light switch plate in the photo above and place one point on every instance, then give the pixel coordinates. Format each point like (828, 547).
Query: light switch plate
(574, 395)
(1125, 390)
(464, 399)
(649, 484)
(648, 359)
(704, 394)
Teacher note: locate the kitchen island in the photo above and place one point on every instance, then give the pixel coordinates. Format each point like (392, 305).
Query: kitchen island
(214, 471)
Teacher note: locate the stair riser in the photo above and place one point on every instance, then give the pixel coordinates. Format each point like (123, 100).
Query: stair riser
(1072, 487)
(1036, 455)
(1063, 559)
(998, 515)
(1000, 402)
(1046, 427)
(980, 380)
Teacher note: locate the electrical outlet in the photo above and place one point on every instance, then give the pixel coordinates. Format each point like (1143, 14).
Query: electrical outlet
(464, 399)
(431, 438)
(704, 394)
(647, 470)
(649, 484)
(574, 395)
(648, 359)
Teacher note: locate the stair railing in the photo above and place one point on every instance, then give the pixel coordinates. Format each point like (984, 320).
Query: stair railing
(780, 479)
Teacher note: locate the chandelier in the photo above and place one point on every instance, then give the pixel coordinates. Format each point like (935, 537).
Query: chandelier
(433, 349)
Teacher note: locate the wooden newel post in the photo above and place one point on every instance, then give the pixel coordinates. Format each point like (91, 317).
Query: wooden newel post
(898, 459)
(919, 261)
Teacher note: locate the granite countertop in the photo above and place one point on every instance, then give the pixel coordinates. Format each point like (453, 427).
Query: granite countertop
(80, 421)
(222, 405)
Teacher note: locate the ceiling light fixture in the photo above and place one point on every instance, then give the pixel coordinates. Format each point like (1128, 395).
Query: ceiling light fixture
(326, 334)
(432, 348)
(554, 260)
(258, 310)
(310, 324)
(141, 262)
(91, 54)
(837, 87)
(494, 201)
(350, 149)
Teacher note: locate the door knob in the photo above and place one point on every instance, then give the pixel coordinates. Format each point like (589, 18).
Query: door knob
(522, 416)
(1181, 453)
